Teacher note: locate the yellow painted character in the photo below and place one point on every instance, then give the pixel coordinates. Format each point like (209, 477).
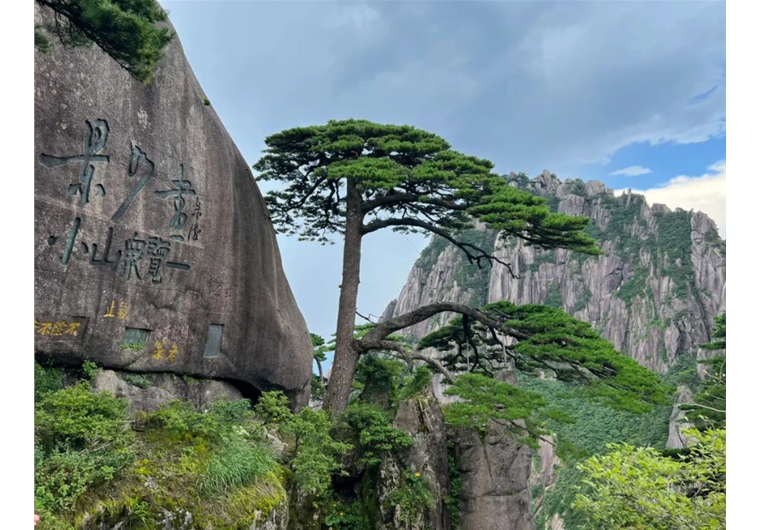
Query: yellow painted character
(173, 352)
(46, 328)
(73, 328)
(109, 312)
(158, 351)
(123, 310)
(58, 328)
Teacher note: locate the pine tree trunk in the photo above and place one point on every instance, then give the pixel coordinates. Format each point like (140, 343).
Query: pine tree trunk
(346, 355)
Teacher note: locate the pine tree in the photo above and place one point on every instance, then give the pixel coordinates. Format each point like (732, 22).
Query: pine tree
(355, 177)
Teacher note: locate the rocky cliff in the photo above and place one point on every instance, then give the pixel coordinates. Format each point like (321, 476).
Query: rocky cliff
(154, 251)
(653, 294)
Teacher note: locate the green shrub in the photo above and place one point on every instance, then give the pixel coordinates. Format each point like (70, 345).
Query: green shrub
(46, 380)
(90, 369)
(421, 379)
(238, 463)
(412, 498)
(76, 418)
(138, 380)
(274, 407)
(316, 452)
(374, 433)
(81, 439)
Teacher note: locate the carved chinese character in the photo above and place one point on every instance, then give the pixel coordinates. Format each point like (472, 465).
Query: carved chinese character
(46, 328)
(195, 230)
(181, 188)
(158, 250)
(138, 161)
(105, 262)
(73, 328)
(133, 252)
(94, 142)
(123, 311)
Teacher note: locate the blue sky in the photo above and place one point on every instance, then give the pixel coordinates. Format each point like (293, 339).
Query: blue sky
(584, 89)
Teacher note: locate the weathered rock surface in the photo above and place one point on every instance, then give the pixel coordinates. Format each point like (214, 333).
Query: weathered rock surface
(163, 388)
(495, 475)
(422, 418)
(154, 251)
(676, 438)
(653, 295)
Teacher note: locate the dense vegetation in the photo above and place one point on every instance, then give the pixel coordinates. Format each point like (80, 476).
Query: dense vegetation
(95, 465)
(631, 487)
(127, 30)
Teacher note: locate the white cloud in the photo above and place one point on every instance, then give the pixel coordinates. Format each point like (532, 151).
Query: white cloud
(705, 193)
(631, 171)
(528, 85)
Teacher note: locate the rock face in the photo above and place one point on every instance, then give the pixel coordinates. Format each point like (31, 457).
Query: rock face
(422, 418)
(495, 472)
(676, 437)
(148, 392)
(653, 295)
(154, 251)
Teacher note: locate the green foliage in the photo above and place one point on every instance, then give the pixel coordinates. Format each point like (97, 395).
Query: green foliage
(683, 372)
(403, 171)
(342, 515)
(718, 334)
(46, 380)
(585, 427)
(41, 42)
(91, 466)
(554, 298)
(489, 400)
(320, 348)
(90, 369)
(238, 463)
(81, 440)
(380, 379)
(674, 240)
(638, 488)
(371, 429)
(412, 497)
(317, 388)
(414, 385)
(455, 489)
(125, 29)
(75, 418)
(274, 407)
(206, 102)
(138, 380)
(553, 340)
(316, 452)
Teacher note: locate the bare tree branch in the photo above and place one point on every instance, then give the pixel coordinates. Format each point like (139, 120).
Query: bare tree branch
(474, 257)
(383, 329)
(408, 355)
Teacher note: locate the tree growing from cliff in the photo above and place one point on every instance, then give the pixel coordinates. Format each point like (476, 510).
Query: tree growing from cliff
(125, 29)
(355, 177)
(709, 407)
